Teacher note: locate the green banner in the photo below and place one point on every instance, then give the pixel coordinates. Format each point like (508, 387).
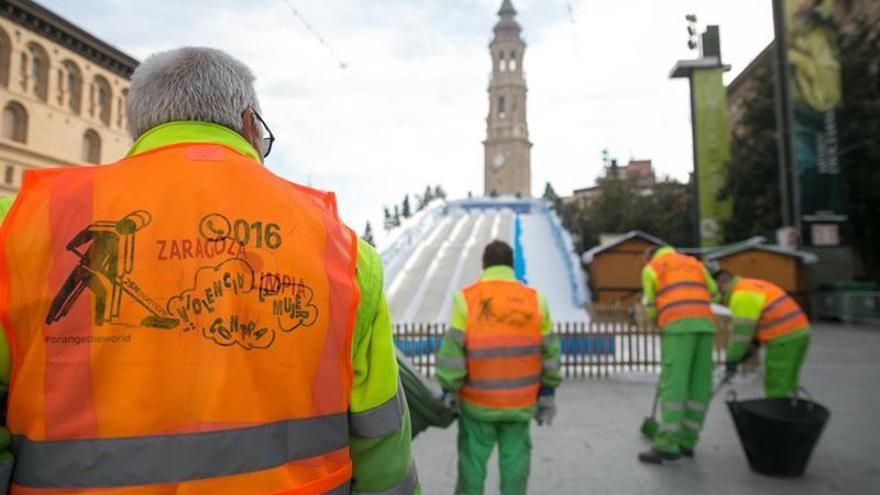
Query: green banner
(712, 151)
(813, 54)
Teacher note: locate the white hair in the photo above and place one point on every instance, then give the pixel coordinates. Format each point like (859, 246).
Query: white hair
(190, 83)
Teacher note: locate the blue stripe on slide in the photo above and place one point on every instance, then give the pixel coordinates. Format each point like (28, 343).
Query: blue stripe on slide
(519, 259)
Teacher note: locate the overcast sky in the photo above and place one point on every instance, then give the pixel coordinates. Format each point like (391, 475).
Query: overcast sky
(410, 107)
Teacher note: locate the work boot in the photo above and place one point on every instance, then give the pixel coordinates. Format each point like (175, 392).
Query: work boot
(654, 456)
(687, 452)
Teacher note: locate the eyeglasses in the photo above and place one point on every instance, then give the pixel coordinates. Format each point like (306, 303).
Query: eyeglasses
(269, 140)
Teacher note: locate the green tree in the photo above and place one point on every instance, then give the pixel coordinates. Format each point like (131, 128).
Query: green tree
(368, 234)
(404, 207)
(670, 210)
(859, 139)
(666, 211)
(388, 222)
(439, 192)
(753, 172)
(425, 198)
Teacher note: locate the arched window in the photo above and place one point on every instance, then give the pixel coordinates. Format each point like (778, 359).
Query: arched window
(9, 174)
(39, 71)
(120, 114)
(60, 92)
(102, 99)
(23, 70)
(502, 63)
(502, 110)
(5, 58)
(511, 65)
(15, 122)
(72, 84)
(91, 147)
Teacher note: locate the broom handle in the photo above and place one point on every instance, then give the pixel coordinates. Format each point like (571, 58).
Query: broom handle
(724, 381)
(656, 400)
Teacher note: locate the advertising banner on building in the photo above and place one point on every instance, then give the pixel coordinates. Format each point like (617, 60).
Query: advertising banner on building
(816, 88)
(712, 148)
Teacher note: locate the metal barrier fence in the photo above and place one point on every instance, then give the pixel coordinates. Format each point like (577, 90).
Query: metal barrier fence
(848, 306)
(596, 349)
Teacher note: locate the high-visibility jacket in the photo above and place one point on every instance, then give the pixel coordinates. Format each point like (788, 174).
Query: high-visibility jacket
(780, 313)
(180, 322)
(682, 291)
(503, 345)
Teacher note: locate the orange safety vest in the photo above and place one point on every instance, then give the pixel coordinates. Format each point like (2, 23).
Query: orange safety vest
(503, 345)
(780, 315)
(682, 291)
(180, 322)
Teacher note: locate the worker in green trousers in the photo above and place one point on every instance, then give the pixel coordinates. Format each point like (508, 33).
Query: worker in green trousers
(477, 439)
(763, 313)
(499, 371)
(678, 292)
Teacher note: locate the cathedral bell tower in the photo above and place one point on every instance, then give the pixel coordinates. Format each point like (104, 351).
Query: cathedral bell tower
(507, 165)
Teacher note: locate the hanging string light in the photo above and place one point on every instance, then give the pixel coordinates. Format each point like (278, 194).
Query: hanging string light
(315, 34)
(571, 18)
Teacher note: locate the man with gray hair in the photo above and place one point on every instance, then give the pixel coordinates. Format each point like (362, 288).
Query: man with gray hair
(233, 337)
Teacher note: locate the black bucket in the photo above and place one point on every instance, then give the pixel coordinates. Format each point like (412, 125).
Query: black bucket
(778, 435)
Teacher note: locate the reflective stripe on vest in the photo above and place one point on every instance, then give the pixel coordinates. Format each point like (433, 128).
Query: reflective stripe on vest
(167, 328)
(405, 487)
(382, 420)
(681, 291)
(505, 383)
(503, 344)
(781, 314)
(526, 350)
(118, 462)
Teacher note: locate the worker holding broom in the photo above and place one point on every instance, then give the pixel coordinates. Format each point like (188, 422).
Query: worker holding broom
(678, 292)
(501, 360)
(763, 314)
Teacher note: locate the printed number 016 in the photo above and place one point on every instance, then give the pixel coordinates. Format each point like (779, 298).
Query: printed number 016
(269, 236)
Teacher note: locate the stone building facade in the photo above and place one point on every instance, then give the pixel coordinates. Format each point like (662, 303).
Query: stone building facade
(62, 94)
(507, 161)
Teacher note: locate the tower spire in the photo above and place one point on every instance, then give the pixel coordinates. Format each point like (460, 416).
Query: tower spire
(507, 25)
(507, 9)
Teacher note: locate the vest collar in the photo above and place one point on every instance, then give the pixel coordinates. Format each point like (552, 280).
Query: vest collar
(663, 252)
(192, 132)
(498, 272)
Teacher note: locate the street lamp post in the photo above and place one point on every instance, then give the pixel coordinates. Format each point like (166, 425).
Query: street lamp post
(788, 185)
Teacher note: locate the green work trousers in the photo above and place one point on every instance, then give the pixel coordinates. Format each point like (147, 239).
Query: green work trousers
(685, 389)
(783, 361)
(476, 440)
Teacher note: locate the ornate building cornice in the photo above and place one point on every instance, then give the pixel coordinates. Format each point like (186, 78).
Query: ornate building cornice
(34, 17)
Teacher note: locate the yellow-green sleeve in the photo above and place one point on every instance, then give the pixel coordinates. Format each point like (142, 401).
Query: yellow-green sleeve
(649, 289)
(5, 358)
(712, 286)
(451, 363)
(379, 421)
(745, 310)
(551, 375)
(5, 205)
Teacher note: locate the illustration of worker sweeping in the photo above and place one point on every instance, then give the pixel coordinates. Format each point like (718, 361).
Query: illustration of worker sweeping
(107, 244)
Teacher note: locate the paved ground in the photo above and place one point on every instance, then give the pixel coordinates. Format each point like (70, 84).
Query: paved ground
(592, 446)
